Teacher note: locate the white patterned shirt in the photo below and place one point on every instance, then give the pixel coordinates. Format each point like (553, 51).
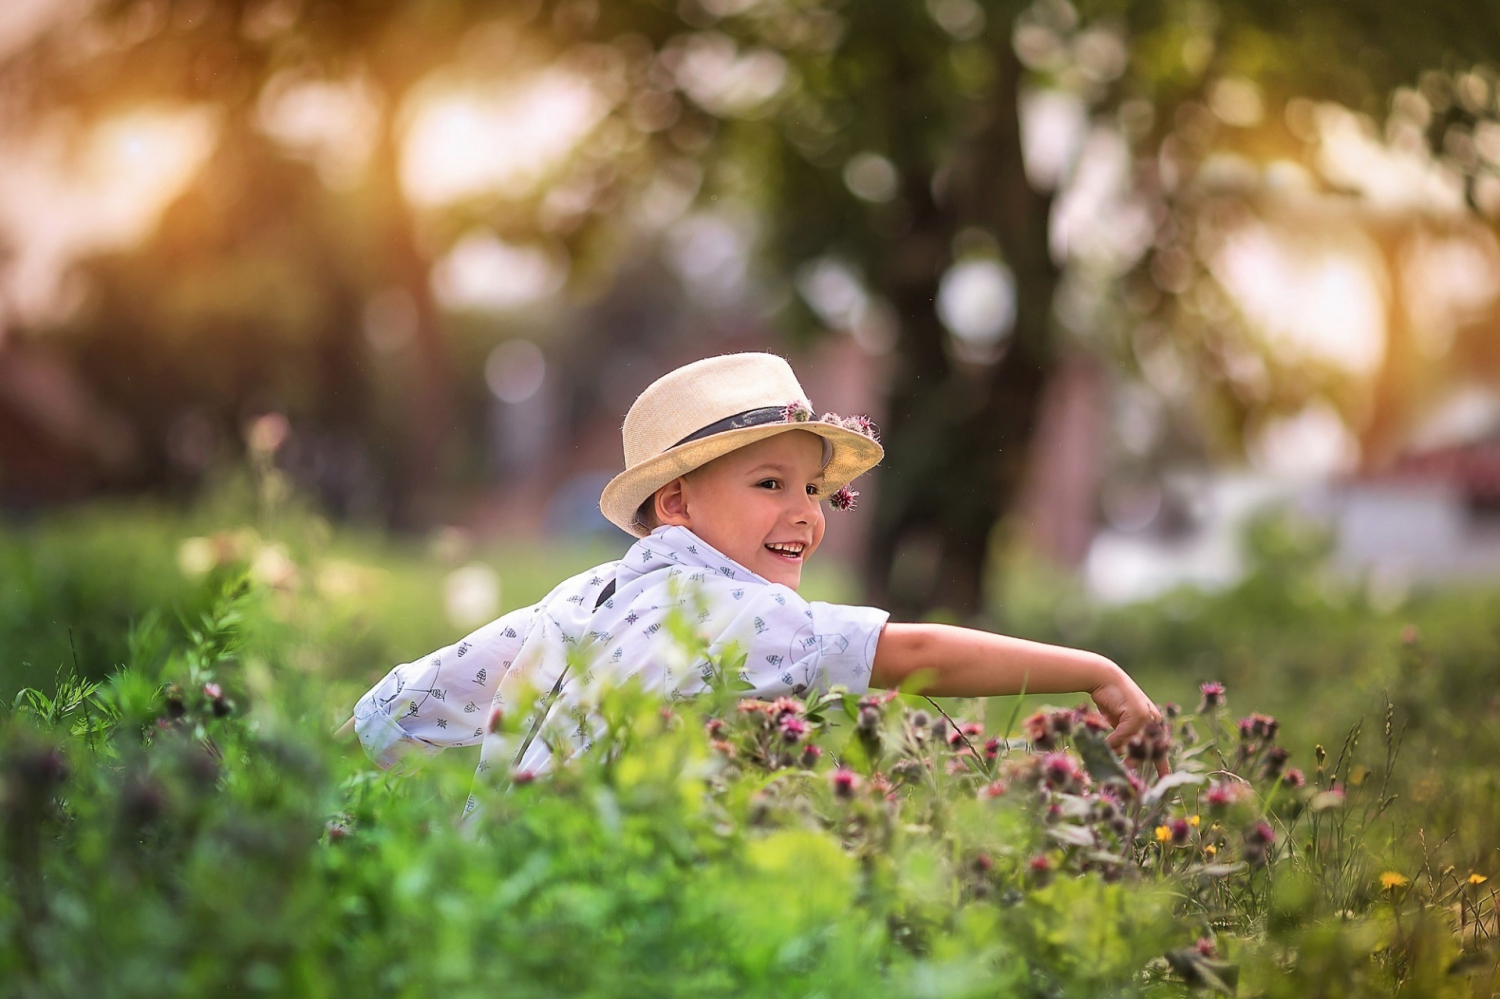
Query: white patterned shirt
(791, 646)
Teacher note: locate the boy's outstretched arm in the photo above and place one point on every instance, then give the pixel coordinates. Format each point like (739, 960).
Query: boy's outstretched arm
(965, 662)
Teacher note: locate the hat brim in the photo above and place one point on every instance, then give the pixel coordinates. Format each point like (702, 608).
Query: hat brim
(853, 455)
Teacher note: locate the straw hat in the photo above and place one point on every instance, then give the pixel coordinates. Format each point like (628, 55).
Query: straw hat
(690, 416)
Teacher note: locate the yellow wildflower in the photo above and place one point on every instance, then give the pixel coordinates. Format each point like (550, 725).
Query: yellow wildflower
(1163, 834)
(1477, 879)
(1193, 821)
(1393, 879)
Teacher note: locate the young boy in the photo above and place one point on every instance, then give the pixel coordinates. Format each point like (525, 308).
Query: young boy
(726, 472)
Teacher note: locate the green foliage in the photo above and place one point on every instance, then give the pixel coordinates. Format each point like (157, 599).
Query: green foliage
(184, 825)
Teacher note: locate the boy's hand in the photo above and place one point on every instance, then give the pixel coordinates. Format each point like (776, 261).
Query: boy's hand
(1126, 706)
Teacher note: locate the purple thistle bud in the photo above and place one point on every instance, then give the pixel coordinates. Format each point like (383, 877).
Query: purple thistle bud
(1039, 731)
(1260, 834)
(844, 499)
(1213, 696)
(845, 783)
(1276, 758)
(797, 411)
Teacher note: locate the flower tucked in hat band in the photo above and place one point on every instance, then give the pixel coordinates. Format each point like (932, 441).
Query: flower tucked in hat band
(796, 411)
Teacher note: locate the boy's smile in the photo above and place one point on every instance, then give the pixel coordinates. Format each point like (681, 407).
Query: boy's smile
(761, 504)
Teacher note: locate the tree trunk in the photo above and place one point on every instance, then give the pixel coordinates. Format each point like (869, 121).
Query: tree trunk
(956, 435)
(429, 415)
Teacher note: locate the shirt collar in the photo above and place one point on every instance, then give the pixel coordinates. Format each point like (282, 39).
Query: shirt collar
(671, 546)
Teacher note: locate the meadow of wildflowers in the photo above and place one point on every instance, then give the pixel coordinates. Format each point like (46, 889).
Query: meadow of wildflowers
(181, 822)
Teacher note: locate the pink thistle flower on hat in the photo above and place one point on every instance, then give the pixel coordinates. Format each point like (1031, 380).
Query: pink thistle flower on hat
(845, 783)
(861, 425)
(844, 499)
(797, 411)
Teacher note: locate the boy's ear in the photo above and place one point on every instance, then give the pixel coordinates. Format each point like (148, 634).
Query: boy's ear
(671, 505)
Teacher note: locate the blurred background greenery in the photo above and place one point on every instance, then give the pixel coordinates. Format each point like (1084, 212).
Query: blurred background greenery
(1111, 276)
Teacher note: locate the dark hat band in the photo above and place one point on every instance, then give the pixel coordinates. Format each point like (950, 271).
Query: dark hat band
(739, 421)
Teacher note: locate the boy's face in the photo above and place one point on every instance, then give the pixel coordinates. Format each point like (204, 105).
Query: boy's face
(759, 504)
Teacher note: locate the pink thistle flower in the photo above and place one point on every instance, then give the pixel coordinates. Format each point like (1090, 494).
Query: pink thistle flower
(994, 789)
(793, 729)
(1094, 721)
(1222, 795)
(845, 783)
(844, 499)
(1061, 772)
(787, 705)
(1213, 696)
(861, 425)
(797, 411)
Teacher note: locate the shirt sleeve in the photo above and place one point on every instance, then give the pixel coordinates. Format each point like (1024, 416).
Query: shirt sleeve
(443, 699)
(793, 647)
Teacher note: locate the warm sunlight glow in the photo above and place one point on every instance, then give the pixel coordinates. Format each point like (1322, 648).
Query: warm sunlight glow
(57, 206)
(1319, 301)
(460, 143)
